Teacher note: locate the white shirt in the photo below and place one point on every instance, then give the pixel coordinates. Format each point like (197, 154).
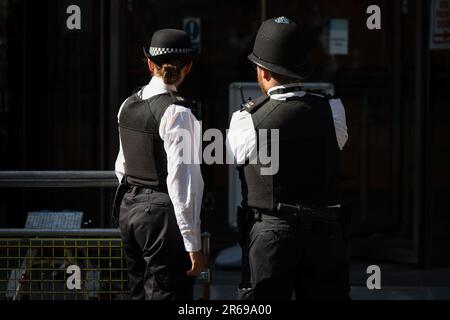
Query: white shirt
(241, 138)
(184, 181)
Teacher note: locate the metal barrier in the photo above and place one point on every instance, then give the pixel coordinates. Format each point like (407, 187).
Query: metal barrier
(58, 179)
(46, 265)
(38, 265)
(79, 264)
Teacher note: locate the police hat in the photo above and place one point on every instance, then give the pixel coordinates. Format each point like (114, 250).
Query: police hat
(170, 44)
(278, 48)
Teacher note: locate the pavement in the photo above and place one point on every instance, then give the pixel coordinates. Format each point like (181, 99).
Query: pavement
(398, 282)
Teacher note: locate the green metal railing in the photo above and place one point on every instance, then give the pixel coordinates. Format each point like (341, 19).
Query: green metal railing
(35, 265)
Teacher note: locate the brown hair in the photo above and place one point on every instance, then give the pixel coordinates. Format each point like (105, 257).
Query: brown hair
(170, 71)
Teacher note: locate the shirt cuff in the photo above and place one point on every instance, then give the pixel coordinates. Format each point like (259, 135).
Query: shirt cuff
(192, 242)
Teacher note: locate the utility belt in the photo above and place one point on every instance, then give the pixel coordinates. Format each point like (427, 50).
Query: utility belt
(246, 217)
(122, 189)
(294, 211)
(146, 189)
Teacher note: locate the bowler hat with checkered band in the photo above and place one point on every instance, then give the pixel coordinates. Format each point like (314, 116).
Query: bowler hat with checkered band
(168, 44)
(279, 48)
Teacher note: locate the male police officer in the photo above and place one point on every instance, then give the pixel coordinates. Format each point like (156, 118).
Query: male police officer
(296, 243)
(160, 213)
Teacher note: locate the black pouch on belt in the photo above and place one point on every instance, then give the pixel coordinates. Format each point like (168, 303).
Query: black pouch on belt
(118, 197)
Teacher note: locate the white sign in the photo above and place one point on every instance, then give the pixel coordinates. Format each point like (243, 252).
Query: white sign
(193, 27)
(338, 36)
(440, 24)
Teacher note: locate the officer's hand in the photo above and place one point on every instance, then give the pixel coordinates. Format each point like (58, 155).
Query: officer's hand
(198, 263)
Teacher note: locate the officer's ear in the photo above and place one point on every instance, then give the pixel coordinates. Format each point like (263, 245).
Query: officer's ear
(188, 67)
(151, 66)
(266, 74)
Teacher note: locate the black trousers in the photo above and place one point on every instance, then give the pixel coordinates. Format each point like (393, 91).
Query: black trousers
(156, 259)
(302, 255)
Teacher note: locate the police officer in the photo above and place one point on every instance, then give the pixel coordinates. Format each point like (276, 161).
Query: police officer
(296, 242)
(160, 211)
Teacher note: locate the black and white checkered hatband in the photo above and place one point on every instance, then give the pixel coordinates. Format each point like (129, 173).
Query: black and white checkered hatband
(155, 52)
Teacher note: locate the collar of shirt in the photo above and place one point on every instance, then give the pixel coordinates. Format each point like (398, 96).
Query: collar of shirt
(287, 95)
(155, 87)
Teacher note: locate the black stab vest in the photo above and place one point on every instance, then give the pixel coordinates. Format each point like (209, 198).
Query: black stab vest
(143, 148)
(309, 164)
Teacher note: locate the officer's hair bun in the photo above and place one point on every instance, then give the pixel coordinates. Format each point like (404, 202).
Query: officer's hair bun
(171, 72)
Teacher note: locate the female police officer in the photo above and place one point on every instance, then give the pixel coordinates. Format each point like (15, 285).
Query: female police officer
(160, 214)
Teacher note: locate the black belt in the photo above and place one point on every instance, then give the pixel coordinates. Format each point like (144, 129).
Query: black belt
(290, 211)
(139, 189)
(122, 189)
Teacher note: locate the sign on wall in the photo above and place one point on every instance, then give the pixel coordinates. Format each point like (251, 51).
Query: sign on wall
(440, 24)
(338, 36)
(193, 27)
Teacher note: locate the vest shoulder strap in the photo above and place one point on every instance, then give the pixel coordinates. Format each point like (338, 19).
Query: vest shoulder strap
(187, 103)
(252, 106)
(136, 110)
(138, 92)
(179, 100)
(265, 111)
(171, 96)
(163, 101)
(319, 93)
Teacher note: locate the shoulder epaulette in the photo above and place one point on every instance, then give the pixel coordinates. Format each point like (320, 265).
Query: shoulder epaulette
(252, 105)
(187, 103)
(179, 100)
(319, 93)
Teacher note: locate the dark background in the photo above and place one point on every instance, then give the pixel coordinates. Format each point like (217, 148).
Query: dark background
(60, 92)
